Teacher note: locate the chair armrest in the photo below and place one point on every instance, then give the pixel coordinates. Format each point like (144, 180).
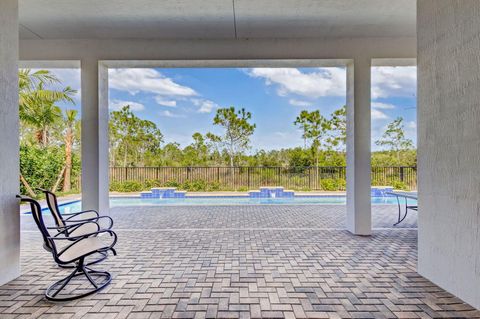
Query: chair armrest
(67, 227)
(95, 233)
(80, 213)
(65, 230)
(93, 220)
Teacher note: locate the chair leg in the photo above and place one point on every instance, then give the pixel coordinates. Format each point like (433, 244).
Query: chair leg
(80, 270)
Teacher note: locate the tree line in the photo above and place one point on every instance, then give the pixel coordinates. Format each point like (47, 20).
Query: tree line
(138, 142)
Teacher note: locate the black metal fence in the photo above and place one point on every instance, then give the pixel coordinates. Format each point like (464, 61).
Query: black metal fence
(242, 178)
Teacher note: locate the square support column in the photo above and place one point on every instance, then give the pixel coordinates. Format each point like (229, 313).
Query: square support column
(9, 143)
(449, 145)
(359, 211)
(95, 170)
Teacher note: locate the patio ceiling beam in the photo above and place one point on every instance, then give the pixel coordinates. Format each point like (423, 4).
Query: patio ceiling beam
(222, 49)
(9, 143)
(49, 64)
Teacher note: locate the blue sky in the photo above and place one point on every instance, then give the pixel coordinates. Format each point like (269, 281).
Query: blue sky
(182, 101)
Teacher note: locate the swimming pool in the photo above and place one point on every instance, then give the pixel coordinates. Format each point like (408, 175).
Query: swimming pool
(228, 200)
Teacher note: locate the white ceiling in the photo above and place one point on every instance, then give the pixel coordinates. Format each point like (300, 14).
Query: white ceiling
(215, 19)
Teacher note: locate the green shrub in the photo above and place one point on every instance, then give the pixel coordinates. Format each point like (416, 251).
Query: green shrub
(194, 186)
(199, 186)
(393, 182)
(331, 184)
(213, 186)
(151, 183)
(171, 184)
(41, 166)
(341, 184)
(398, 185)
(127, 186)
(328, 184)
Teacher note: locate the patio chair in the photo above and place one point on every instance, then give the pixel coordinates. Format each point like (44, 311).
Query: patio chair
(87, 221)
(61, 219)
(73, 250)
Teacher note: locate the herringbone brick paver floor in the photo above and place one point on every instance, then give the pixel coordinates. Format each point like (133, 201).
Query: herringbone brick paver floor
(243, 262)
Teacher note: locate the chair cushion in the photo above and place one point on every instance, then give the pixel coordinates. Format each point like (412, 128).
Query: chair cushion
(82, 247)
(85, 215)
(86, 228)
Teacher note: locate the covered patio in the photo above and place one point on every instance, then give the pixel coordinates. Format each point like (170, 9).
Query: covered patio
(258, 261)
(244, 262)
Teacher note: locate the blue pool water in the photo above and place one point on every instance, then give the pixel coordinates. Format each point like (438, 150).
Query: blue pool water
(310, 200)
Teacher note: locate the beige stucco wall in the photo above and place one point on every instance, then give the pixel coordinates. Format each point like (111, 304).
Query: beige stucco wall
(449, 145)
(9, 168)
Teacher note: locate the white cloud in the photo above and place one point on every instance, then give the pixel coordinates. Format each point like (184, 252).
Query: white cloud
(411, 125)
(394, 82)
(146, 80)
(377, 111)
(117, 105)
(299, 103)
(383, 106)
(322, 82)
(67, 77)
(411, 130)
(164, 102)
(378, 115)
(280, 134)
(168, 113)
(205, 106)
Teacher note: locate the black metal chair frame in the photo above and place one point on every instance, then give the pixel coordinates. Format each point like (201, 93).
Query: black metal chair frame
(79, 265)
(62, 223)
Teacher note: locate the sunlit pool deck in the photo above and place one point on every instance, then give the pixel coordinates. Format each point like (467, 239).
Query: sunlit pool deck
(250, 261)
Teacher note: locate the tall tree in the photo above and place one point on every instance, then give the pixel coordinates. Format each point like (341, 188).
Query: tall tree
(238, 130)
(302, 122)
(214, 144)
(132, 137)
(338, 126)
(394, 138)
(70, 120)
(197, 152)
(315, 128)
(172, 154)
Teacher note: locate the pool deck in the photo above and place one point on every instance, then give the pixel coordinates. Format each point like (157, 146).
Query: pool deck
(243, 262)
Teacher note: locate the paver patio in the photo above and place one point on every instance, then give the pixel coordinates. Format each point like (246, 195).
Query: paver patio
(243, 262)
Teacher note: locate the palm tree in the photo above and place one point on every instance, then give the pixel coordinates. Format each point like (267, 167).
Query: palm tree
(43, 117)
(70, 120)
(37, 104)
(31, 89)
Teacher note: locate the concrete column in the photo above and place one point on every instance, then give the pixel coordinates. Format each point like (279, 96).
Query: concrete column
(94, 135)
(359, 214)
(9, 143)
(449, 145)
